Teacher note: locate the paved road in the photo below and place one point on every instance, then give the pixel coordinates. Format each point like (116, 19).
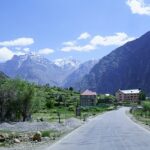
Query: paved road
(111, 131)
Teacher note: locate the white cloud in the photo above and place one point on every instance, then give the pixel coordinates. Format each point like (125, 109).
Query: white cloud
(79, 48)
(18, 47)
(139, 7)
(17, 42)
(69, 43)
(5, 54)
(84, 36)
(117, 39)
(45, 51)
(113, 40)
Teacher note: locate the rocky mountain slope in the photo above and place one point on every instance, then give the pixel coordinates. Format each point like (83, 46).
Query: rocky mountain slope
(126, 67)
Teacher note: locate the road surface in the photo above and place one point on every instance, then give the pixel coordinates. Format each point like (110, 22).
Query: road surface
(110, 131)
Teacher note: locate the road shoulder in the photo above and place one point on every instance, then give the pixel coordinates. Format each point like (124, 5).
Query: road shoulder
(137, 122)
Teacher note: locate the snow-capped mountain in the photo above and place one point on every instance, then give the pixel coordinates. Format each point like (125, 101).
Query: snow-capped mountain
(34, 57)
(63, 63)
(38, 69)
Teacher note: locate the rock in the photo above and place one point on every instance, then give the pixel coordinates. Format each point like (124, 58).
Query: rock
(41, 119)
(45, 138)
(16, 141)
(6, 135)
(37, 136)
(2, 138)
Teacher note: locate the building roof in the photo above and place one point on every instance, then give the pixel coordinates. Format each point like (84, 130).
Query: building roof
(88, 92)
(134, 91)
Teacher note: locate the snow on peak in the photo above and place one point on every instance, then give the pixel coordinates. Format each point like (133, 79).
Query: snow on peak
(31, 56)
(63, 62)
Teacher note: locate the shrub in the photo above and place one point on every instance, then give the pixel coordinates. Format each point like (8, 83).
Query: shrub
(71, 108)
(84, 109)
(146, 106)
(49, 103)
(54, 111)
(45, 134)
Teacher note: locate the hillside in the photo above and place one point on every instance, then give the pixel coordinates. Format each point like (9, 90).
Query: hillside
(2, 76)
(126, 67)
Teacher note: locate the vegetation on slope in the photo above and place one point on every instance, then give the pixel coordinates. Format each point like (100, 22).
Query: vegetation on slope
(19, 99)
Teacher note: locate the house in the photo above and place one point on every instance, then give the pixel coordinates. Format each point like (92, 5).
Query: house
(128, 95)
(88, 98)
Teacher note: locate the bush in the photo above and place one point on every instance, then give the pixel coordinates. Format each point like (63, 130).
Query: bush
(84, 109)
(45, 133)
(51, 134)
(146, 106)
(71, 108)
(54, 111)
(49, 103)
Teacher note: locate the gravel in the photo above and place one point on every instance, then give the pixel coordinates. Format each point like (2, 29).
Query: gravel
(67, 126)
(40, 126)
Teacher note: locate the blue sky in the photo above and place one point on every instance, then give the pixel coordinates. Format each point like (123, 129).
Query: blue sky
(82, 29)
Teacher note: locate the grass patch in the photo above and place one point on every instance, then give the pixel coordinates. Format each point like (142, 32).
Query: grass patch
(93, 111)
(51, 134)
(52, 115)
(142, 116)
(2, 144)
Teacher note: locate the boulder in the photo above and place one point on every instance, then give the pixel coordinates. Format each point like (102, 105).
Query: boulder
(2, 138)
(16, 141)
(37, 136)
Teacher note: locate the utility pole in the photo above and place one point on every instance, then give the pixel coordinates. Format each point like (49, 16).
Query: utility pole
(59, 117)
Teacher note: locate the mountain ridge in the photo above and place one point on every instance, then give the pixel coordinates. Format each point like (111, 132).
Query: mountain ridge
(35, 68)
(40, 70)
(126, 67)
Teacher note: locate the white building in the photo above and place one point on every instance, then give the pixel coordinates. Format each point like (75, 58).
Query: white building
(128, 95)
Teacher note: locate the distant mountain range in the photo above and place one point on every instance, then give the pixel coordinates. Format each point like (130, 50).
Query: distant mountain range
(40, 70)
(75, 77)
(126, 67)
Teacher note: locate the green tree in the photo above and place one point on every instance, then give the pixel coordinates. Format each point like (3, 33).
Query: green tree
(146, 106)
(15, 100)
(142, 96)
(71, 88)
(25, 92)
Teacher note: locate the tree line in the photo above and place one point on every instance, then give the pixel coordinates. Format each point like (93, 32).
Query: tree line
(19, 99)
